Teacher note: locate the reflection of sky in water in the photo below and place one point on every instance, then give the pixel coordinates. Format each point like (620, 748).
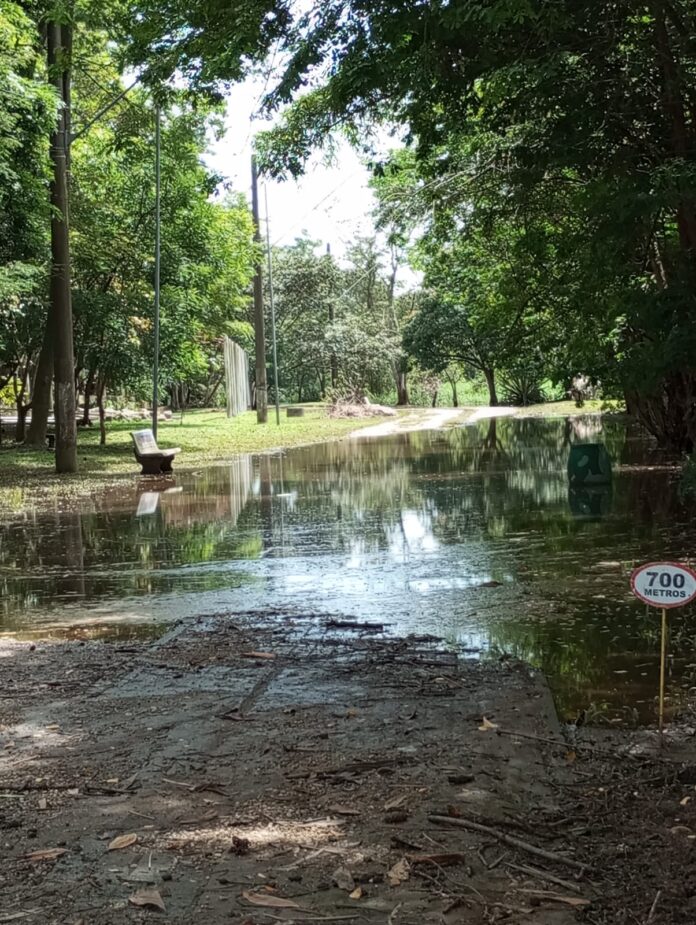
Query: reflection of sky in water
(406, 530)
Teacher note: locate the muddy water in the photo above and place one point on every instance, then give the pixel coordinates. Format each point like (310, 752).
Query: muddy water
(470, 533)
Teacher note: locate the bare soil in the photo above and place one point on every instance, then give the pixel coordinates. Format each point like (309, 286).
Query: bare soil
(256, 768)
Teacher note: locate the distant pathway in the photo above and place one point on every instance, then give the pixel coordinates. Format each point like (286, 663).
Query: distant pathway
(431, 419)
(416, 419)
(488, 411)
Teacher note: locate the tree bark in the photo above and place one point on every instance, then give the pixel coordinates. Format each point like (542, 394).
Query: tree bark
(19, 384)
(61, 297)
(401, 388)
(455, 397)
(490, 382)
(89, 391)
(41, 393)
(21, 419)
(101, 389)
(259, 317)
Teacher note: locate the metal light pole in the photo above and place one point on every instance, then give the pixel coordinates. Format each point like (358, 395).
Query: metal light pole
(155, 365)
(270, 292)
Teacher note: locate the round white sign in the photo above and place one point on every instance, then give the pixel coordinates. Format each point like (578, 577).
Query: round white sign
(664, 584)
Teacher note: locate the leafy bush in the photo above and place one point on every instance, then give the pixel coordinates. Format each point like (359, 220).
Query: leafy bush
(522, 389)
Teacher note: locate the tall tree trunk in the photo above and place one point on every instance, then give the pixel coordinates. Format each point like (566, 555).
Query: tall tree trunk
(41, 393)
(89, 391)
(21, 419)
(401, 388)
(490, 382)
(101, 391)
(675, 110)
(434, 402)
(332, 318)
(61, 300)
(19, 384)
(455, 397)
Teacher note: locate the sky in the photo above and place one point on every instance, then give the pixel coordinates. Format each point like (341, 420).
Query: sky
(330, 204)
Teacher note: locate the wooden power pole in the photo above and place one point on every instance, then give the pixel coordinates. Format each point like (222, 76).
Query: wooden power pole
(332, 318)
(60, 293)
(259, 323)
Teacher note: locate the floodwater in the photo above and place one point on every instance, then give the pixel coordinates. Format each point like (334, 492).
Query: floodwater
(471, 534)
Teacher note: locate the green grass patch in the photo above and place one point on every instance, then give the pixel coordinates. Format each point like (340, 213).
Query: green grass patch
(205, 437)
(566, 408)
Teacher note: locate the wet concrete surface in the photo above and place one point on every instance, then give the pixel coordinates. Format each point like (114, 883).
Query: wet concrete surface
(248, 759)
(245, 769)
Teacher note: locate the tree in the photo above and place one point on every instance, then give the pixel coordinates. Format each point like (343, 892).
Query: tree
(593, 99)
(207, 252)
(27, 110)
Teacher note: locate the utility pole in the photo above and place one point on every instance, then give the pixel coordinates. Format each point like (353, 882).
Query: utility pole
(158, 198)
(332, 318)
(270, 292)
(259, 325)
(58, 47)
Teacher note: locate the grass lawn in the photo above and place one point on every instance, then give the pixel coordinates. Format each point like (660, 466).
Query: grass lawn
(567, 408)
(28, 476)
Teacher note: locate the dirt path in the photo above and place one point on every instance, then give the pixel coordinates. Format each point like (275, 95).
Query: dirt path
(274, 767)
(415, 419)
(432, 419)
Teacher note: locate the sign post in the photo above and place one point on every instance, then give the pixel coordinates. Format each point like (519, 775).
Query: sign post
(664, 585)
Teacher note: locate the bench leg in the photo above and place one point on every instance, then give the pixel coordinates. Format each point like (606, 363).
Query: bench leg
(149, 466)
(167, 464)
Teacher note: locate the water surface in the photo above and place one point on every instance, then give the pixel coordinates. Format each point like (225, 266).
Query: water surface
(470, 533)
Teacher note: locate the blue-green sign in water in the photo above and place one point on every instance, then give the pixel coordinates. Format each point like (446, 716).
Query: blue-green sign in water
(589, 464)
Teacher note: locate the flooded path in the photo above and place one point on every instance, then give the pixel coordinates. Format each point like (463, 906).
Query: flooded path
(470, 534)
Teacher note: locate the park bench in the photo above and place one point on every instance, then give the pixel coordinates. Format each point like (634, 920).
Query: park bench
(153, 460)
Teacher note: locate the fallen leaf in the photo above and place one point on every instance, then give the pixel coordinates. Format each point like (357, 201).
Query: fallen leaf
(341, 810)
(399, 873)
(239, 846)
(46, 854)
(486, 725)
(122, 841)
(268, 655)
(343, 879)
(397, 815)
(271, 902)
(570, 756)
(43, 803)
(395, 802)
(685, 801)
(148, 899)
(206, 817)
(357, 893)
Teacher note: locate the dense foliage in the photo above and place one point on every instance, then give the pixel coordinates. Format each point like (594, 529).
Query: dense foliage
(207, 252)
(566, 128)
(546, 191)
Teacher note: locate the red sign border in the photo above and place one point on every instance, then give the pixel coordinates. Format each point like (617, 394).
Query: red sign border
(661, 604)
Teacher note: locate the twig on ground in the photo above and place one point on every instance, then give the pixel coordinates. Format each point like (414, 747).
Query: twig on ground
(509, 840)
(653, 908)
(544, 875)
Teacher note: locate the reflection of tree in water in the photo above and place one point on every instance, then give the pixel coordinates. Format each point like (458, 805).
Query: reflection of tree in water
(47, 559)
(500, 482)
(594, 656)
